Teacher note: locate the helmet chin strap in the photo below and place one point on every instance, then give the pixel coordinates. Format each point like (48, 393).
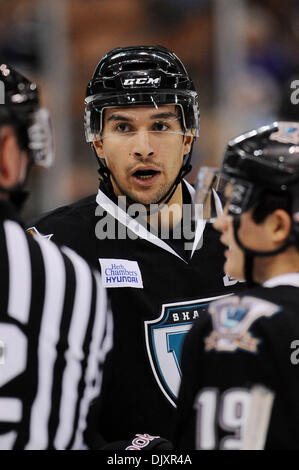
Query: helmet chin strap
(250, 254)
(185, 169)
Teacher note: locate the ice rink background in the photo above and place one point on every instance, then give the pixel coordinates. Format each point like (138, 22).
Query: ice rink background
(242, 55)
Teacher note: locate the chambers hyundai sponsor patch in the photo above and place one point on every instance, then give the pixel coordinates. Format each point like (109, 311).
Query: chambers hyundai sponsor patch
(120, 273)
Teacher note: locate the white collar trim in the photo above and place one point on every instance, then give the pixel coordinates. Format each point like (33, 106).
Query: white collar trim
(289, 279)
(118, 213)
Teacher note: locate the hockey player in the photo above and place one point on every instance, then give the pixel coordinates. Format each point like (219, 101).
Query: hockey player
(54, 327)
(141, 119)
(240, 382)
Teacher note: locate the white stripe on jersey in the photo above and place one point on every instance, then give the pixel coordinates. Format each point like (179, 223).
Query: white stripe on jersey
(49, 335)
(19, 272)
(12, 411)
(7, 440)
(98, 349)
(74, 354)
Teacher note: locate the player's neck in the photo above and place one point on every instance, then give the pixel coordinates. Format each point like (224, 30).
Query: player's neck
(267, 267)
(171, 214)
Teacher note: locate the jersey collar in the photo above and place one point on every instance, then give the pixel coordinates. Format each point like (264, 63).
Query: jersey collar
(119, 214)
(289, 279)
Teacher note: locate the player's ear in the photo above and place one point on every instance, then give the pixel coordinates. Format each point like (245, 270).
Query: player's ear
(188, 139)
(98, 145)
(10, 155)
(280, 223)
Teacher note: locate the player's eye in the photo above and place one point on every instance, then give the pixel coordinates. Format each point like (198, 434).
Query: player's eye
(160, 126)
(122, 128)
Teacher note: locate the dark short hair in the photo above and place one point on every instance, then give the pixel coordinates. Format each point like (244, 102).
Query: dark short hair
(269, 201)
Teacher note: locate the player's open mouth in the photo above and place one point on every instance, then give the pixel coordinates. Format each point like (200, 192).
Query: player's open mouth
(145, 177)
(145, 174)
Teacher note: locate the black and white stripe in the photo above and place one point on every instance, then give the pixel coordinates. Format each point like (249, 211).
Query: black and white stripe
(72, 332)
(19, 272)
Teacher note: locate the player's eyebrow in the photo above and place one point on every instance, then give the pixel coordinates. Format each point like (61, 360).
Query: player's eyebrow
(165, 115)
(118, 117)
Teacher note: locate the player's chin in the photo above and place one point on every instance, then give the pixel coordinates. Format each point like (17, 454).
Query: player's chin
(150, 196)
(233, 269)
(143, 199)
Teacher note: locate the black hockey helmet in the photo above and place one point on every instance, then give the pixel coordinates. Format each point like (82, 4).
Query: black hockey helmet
(141, 76)
(266, 159)
(259, 163)
(19, 107)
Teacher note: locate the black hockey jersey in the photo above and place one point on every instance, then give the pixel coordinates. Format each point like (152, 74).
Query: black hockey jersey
(156, 291)
(245, 341)
(54, 335)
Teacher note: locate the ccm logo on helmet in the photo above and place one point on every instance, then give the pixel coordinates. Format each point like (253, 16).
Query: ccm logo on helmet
(142, 81)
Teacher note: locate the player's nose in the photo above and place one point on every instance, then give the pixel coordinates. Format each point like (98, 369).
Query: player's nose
(142, 145)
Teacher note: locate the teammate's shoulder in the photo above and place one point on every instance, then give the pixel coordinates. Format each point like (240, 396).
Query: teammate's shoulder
(279, 294)
(250, 307)
(246, 300)
(238, 322)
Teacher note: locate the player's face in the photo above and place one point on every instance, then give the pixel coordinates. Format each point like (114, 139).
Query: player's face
(143, 148)
(234, 256)
(13, 160)
(253, 236)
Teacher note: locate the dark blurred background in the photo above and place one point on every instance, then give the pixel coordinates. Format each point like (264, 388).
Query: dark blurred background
(242, 55)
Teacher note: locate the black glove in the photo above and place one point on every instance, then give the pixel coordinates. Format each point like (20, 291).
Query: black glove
(140, 442)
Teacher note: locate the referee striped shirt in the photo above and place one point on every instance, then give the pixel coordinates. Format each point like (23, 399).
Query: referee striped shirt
(55, 332)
